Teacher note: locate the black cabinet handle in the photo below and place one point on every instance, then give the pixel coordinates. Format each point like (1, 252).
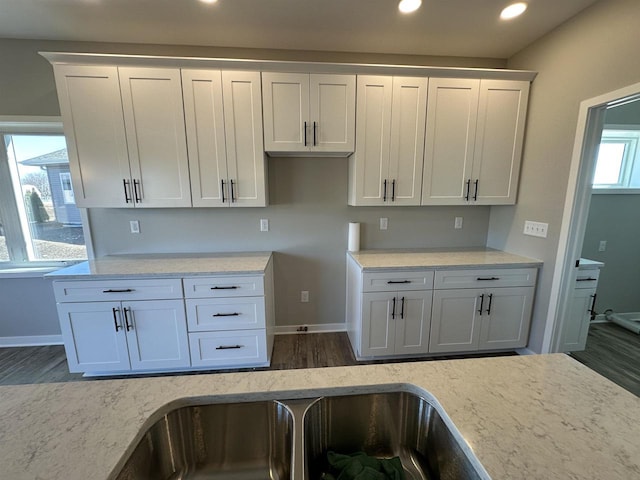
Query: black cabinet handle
(305, 134)
(115, 318)
(234, 314)
(136, 185)
(384, 195)
(315, 142)
(398, 281)
(475, 193)
(402, 309)
(222, 189)
(481, 304)
(232, 287)
(490, 302)
(592, 310)
(393, 191)
(393, 310)
(586, 279)
(126, 319)
(125, 184)
(228, 347)
(468, 182)
(484, 279)
(233, 195)
(124, 290)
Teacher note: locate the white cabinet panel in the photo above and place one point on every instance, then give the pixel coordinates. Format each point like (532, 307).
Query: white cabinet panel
(393, 281)
(286, 111)
(226, 313)
(117, 289)
(218, 349)
(378, 331)
(455, 323)
(413, 322)
(93, 125)
(505, 322)
(575, 326)
(224, 286)
(484, 278)
(332, 112)
(156, 136)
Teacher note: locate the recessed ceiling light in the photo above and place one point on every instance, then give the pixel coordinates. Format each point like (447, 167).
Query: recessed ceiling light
(514, 10)
(408, 6)
(209, 1)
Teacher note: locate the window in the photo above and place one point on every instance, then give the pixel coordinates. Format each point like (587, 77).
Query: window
(618, 162)
(39, 221)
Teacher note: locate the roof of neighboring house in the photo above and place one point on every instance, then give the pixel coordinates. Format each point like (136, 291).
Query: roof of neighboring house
(59, 157)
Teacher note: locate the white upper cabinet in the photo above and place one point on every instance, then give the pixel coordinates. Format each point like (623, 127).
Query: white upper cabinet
(154, 124)
(309, 113)
(473, 141)
(386, 168)
(91, 110)
(224, 134)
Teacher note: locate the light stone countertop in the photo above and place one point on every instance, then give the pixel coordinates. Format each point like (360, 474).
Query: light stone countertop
(438, 258)
(166, 265)
(586, 264)
(536, 417)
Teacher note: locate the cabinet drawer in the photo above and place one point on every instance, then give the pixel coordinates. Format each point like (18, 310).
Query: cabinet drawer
(225, 313)
(587, 278)
(223, 286)
(218, 349)
(394, 281)
(495, 277)
(119, 289)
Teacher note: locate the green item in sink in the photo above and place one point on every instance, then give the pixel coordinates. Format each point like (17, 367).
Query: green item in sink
(360, 466)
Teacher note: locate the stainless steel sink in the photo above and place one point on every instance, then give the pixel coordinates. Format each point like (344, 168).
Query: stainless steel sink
(385, 425)
(235, 440)
(289, 439)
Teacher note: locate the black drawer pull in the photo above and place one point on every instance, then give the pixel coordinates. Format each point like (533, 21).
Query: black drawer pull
(228, 347)
(232, 287)
(115, 290)
(586, 279)
(234, 314)
(482, 279)
(390, 282)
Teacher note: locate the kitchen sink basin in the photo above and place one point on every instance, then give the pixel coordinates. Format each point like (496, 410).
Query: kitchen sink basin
(289, 439)
(235, 440)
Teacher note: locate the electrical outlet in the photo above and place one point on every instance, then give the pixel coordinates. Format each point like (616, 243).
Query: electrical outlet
(457, 224)
(264, 224)
(134, 226)
(384, 223)
(603, 246)
(304, 296)
(303, 328)
(536, 229)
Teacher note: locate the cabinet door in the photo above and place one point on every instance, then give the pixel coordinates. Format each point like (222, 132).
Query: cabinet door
(154, 124)
(408, 113)
(506, 318)
(450, 138)
(94, 338)
(378, 326)
(501, 120)
(455, 320)
(286, 110)
(576, 324)
(413, 322)
(243, 133)
(369, 165)
(332, 113)
(156, 334)
(204, 119)
(92, 116)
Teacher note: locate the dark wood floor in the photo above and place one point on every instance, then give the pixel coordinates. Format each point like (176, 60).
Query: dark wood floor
(26, 365)
(614, 353)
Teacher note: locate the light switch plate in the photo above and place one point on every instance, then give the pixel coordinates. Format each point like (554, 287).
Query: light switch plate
(536, 229)
(603, 246)
(134, 226)
(264, 224)
(457, 223)
(384, 223)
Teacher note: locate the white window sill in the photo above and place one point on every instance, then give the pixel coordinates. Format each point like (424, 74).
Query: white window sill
(616, 191)
(31, 271)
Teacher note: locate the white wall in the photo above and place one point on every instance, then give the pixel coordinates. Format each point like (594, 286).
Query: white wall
(591, 54)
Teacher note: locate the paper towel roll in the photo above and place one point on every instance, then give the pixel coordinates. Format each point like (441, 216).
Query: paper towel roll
(354, 237)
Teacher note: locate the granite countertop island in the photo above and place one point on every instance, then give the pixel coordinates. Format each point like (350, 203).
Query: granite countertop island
(166, 265)
(439, 258)
(525, 417)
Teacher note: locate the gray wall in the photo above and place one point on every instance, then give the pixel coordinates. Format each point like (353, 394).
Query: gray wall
(627, 114)
(27, 307)
(308, 216)
(591, 54)
(614, 218)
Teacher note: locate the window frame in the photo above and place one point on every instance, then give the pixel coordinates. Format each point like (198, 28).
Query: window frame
(628, 165)
(15, 237)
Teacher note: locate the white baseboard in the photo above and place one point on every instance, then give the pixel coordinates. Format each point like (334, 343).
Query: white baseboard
(31, 341)
(323, 328)
(600, 318)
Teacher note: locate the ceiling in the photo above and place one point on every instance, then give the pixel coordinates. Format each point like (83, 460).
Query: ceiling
(468, 28)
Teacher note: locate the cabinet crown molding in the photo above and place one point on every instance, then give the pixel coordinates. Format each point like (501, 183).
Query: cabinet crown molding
(284, 66)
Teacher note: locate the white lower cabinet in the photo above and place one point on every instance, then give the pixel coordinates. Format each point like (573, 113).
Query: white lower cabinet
(575, 326)
(121, 336)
